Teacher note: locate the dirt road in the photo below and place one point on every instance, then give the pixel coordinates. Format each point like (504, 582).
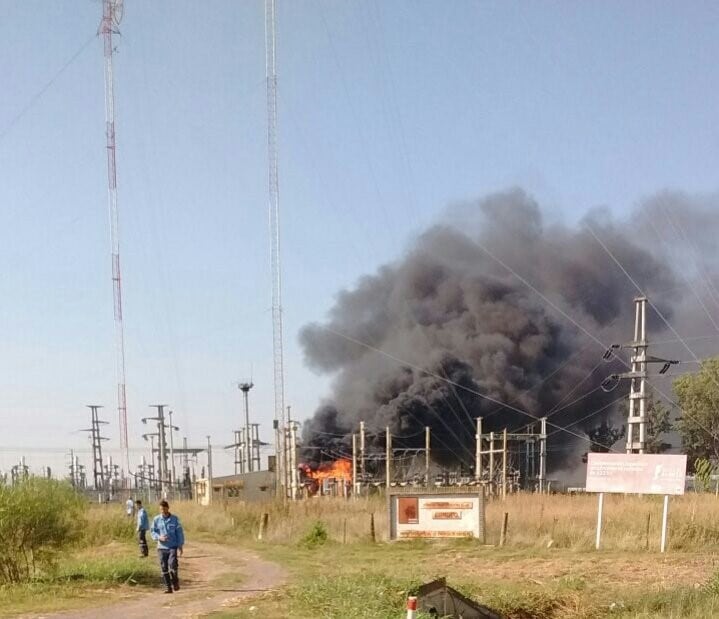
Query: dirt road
(211, 576)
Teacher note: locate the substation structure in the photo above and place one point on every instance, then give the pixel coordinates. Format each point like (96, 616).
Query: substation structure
(505, 462)
(513, 461)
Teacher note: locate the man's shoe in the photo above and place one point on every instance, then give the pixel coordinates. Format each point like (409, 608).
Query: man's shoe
(168, 591)
(176, 586)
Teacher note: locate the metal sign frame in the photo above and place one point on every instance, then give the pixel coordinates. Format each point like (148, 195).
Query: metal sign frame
(473, 494)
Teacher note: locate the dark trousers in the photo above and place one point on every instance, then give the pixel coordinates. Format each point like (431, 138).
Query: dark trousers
(142, 541)
(168, 566)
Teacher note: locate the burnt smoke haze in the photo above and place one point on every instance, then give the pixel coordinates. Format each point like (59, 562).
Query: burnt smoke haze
(449, 308)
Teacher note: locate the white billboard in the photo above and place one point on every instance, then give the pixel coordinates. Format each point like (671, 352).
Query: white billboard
(636, 473)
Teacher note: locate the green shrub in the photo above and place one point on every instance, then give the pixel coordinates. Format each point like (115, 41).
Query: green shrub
(316, 536)
(38, 518)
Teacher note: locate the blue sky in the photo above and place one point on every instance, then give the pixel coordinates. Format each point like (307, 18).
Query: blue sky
(388, 113)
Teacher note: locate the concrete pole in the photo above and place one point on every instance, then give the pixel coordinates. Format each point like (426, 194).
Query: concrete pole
(426, 456)
(257, 466)
(388, 457)
(153, 482)
(72, 469)
(504, 464)
(354, 466)
(478, 464)
(643, 379)
(362, 453)
(185, 460)
(209, 470)
(245, 388)
(491, 463)
(172, 453)
(278, 473)
(293, 459)
(543, 455)
(290, 471)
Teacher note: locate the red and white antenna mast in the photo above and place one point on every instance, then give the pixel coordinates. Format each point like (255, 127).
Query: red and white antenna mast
(111, 17)
(274, 213)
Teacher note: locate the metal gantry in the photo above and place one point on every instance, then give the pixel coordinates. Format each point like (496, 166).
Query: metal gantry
(97, 462)
(530, 444)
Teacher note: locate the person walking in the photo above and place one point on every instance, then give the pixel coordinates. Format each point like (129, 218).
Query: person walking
(143, 525)
(167, 531)
(129, 507)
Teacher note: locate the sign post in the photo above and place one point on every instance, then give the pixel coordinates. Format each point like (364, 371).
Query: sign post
(636, 474)
(600, 509)
(664, 523)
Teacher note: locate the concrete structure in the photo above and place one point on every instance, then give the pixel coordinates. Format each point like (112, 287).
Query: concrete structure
(247, 487)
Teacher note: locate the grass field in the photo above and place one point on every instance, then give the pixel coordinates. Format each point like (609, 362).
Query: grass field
(83, 578)
(547, 569)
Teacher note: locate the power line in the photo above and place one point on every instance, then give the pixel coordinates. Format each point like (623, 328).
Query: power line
(429, 373)
(38, 95)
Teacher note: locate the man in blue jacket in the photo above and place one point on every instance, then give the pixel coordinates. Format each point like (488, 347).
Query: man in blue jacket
(143, 525)
(167, 530)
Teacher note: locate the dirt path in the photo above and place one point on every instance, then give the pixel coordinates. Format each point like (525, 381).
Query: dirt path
(211, 576)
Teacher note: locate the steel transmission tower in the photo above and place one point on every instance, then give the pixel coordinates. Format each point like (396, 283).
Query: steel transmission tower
(274, 217)
(111, 17)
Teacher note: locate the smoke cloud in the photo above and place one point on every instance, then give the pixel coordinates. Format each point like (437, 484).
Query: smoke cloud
(457, 327)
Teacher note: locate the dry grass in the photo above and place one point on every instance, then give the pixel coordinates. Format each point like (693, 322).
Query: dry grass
(529, 577)
(570, 521)
(534, 521)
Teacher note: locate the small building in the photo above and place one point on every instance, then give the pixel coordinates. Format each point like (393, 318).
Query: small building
(246, 487)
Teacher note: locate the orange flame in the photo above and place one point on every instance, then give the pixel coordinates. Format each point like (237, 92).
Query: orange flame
(339, 469)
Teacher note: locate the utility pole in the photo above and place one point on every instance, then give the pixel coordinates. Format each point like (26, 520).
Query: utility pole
(504, 464)
(388, 458)
(639, 367)
(162, 469)
(478, 463)
(279, 487)
(491, 463)
(293, 459)
(291, 465)
(257, 464)
(245, 388)
(71, 468)
(362, 452)
(637, 417)
(543, 455)
(172, 451)
(236, 447)
(209, 469)
(426, 456)
(354, 466)
(185, 462)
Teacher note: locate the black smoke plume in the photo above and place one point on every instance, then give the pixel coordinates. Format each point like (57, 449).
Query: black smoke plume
(448, 333)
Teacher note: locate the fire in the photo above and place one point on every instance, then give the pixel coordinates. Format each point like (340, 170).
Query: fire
(339, 469)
